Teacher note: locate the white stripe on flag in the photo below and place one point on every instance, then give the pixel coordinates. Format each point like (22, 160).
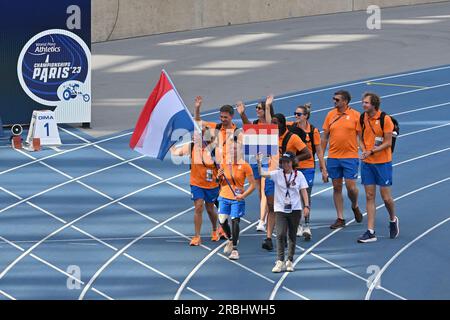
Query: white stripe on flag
(261, 139)
(153, 136)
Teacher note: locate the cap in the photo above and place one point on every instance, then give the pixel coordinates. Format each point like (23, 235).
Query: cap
(288, 156)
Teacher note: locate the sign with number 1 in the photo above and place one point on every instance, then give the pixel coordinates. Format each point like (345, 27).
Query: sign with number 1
(43, 126)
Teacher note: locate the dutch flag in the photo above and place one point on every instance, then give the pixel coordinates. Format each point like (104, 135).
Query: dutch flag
(163, 114)
(260, 139)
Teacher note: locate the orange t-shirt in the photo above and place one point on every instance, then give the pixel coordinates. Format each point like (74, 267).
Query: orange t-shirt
(236, 175)
(369, 137)
(308, 164)
(199, 168)
(343, 130)
(294, 145)
(225, 136)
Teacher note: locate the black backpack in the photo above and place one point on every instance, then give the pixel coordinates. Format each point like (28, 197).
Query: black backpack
(302, 134)
(285, 142)
(395, 132)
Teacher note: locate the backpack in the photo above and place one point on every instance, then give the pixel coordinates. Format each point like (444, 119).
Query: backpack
(285, 142)
(383, 115)
(302, 134)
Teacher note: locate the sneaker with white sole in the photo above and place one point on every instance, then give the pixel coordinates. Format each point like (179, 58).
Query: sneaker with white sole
(279, 267)
(367, 237)
(228, 247)
(234, 255)
(300, 230)
(261, 227)
(289, 266)
(394, 229)
(307, 233)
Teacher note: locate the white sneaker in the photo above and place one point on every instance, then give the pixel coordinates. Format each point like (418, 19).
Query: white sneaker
(228, 247)
(234, 255)
(279, 266)
(261, 227)
(289, 266)
(300, 230)
(307, 233)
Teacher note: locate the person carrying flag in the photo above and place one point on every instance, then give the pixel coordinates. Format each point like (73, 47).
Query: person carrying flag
(203, 181)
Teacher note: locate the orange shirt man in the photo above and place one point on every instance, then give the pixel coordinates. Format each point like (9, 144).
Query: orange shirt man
(376, 166)
(341, 128)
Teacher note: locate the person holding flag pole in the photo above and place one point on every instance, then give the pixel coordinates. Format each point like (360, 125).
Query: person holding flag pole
(164, 114)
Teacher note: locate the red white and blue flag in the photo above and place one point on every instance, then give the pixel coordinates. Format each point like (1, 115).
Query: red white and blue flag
(260, 139)
(163, 113)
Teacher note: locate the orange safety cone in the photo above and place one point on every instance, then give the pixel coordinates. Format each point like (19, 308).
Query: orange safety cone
(36, 144)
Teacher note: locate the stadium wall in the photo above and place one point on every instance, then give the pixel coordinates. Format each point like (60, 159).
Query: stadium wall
(121, 19)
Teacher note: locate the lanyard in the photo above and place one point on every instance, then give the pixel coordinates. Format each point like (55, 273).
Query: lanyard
(288, 182)
(370, 125)
(231, 173)
(335, 120)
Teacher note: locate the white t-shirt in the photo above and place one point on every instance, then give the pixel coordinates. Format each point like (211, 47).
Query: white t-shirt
(295, 184)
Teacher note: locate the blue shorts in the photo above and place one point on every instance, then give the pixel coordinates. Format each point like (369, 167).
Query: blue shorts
(232, 208)
(379, 174)
(343, 168)
(309, 176)
(255, 170)
(269, 188)
(209, 195)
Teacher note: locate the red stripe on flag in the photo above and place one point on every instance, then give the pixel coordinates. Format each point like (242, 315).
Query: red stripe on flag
(162, 87)
(260, 129)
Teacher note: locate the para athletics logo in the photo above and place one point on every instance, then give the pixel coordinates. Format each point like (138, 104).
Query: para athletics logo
(54, 68)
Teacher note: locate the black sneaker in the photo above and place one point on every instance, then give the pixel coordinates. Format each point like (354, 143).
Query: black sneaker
(267, 244)
(394, 229)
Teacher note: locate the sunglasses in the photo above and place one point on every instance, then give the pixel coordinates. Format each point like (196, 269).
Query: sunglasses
(259, 108)
(299, 114)
(336, 99)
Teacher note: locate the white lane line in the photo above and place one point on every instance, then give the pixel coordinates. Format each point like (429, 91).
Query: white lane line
(345, 85)
(284, 276)
(87, 234)
(295, 293)
(102, 294)
(67, 182)
(10, 297)
(421, 109)
(152, 269)
(123, 159)
(84, 232)
(198, 293)
(42, 261)
(350, 272)
(65, 152)
(12, 264)
(423, 130)
(201, 263)
(386, 96)
(398, 253)
(123, 249)
(216, 112)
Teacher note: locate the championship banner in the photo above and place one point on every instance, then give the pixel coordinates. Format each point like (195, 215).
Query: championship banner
(45, 60)
(260, 139)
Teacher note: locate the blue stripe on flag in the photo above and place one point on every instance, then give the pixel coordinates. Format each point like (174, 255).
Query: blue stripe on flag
(180, 121)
